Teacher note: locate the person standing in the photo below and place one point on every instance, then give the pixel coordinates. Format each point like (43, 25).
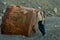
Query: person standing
(41, 21)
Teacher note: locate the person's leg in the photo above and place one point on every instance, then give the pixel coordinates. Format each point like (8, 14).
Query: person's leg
(41, 27)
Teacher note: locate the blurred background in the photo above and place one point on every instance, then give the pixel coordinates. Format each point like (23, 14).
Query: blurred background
(52, 19)
(47, 5)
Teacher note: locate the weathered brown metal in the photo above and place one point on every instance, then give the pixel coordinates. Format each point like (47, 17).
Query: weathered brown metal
(18, 20)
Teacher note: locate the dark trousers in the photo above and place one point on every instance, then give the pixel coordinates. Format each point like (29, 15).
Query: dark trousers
(41, 27)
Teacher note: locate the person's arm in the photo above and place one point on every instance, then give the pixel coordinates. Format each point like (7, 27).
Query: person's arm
(42, 18)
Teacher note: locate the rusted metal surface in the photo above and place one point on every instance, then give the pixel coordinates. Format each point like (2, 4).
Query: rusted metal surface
(18, 20)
